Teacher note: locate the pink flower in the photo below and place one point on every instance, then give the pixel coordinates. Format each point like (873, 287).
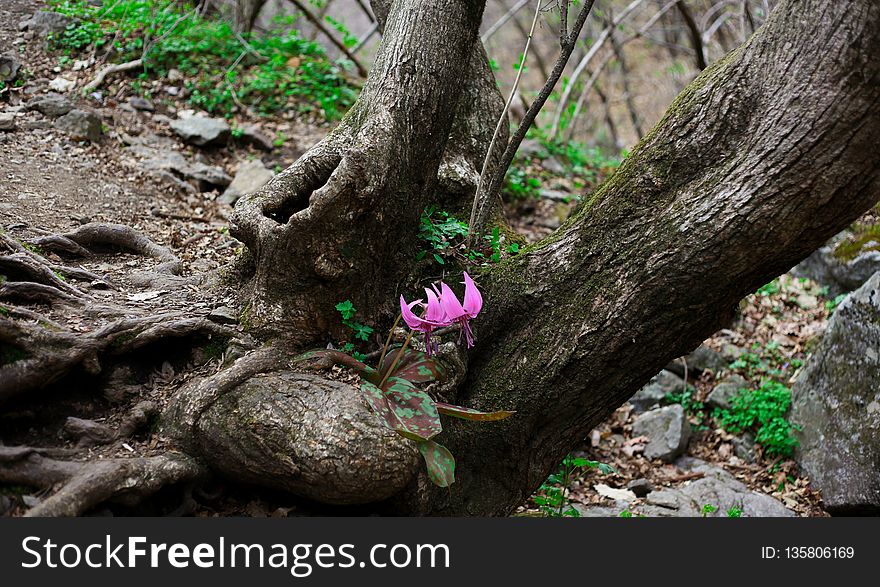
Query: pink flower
(431, 319)
(455, 311)
(444, 309)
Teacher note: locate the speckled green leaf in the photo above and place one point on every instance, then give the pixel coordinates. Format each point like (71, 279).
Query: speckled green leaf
(415, 366)
(404, 408)
(470, 413)
(440, 463)
(379, 404)
(413, 408)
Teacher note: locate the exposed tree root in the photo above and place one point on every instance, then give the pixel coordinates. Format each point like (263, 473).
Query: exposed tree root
(88, 484)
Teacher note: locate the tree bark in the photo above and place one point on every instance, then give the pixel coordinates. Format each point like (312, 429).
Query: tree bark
(762, 158)
(340, 222)
(246, 13)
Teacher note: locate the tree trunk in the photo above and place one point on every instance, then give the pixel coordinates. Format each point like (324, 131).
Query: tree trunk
(767, 154)
(246, 13)
(340, 222)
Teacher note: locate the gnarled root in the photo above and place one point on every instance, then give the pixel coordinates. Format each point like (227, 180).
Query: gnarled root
(260, 422)
(85, 485)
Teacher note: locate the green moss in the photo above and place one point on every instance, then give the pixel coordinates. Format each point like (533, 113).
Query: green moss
(865, 237)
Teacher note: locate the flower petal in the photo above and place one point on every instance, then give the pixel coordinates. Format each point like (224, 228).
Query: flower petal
(413, 321)
(473, 300)
(434, 312)
(451, 305)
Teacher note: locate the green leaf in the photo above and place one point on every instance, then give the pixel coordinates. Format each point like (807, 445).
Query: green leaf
(470, 413)
(439, 259)
(415, 366)
(347, 309)
(404, 408)
(440, 463)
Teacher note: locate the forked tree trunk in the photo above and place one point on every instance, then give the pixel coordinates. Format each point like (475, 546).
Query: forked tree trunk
(341, 222)
(762, 158)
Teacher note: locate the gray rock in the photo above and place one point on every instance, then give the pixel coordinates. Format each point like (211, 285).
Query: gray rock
(641, 487)
(530, 147)
(731, 352)
(653, 394)
(63, 85)
(201, 131)
(839, 275)
(705, 359)
(158, 157)
(251, 176)
(744, 447)
(9, 66)
(139, 103)
(553, 165)
(44, 22)
(7, 121)
(668, 432)
(81, 125)
(223, 315)
(51, 104)
(251, 134)
(724, 391)
(716, 488)
(836, 402)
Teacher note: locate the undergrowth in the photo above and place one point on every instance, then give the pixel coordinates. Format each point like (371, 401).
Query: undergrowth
(225, 72)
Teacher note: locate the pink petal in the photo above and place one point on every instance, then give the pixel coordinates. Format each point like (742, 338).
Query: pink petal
(473, 300)
(406, 312)
(434, 312)
(451, 305)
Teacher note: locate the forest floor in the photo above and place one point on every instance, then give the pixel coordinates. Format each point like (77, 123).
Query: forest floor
(50, 183)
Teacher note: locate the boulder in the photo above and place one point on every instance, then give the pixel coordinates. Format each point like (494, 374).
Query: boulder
(9, 66)
(81, 125)
(50, 104)
(840, 273)
(667, 430)
(139, 103)
(61, 84)
(251, 176)
(653, 394)
(201, 131)
(724, 391)
(44, 22)
(7, 121)
(716, 488)
(158, 157)
(252, 134)
(836, 404)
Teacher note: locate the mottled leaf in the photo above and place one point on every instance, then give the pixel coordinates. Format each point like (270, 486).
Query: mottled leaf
(414, 366)
(404, 408)
(440, 463)
(470, 413)
(413, 408)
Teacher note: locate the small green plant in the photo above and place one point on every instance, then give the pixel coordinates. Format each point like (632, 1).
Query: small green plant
(439, 230)
(360, 331)
(519, 186)
(691, 405)
(551, 497)
(224, 70)
(734, 512)
(764, 411)
(708, 509)
(626, 514)
(769, 289)
(832, 304)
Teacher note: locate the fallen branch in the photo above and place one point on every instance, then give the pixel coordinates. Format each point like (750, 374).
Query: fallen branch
(111, 69)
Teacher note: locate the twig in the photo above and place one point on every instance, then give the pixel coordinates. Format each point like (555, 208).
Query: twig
(696, 37)
(313, 18)
(503, 118)
(503, 20)
(112, 68)
(597, 44)
(482, 198)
